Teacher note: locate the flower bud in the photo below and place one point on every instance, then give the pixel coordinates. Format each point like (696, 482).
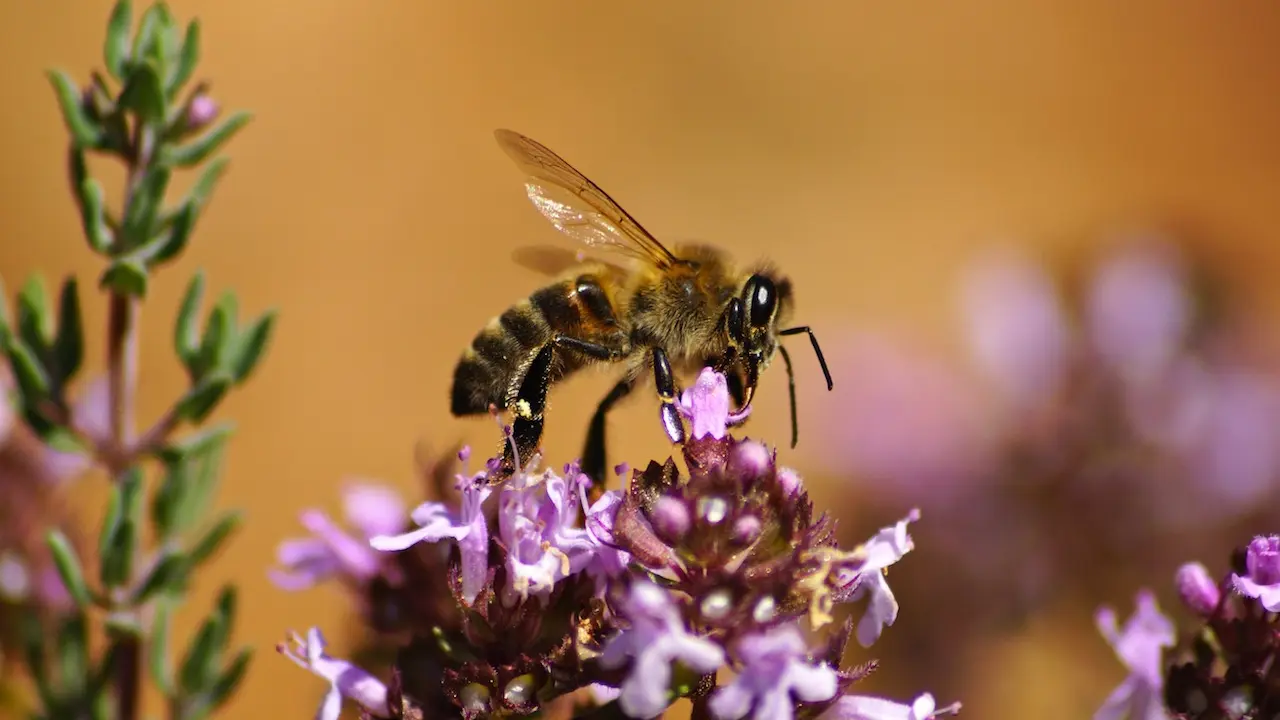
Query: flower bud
(746, 529)
(1196, 589)
(670, 518)
(751, 459)
(200, 112)
(789, 481)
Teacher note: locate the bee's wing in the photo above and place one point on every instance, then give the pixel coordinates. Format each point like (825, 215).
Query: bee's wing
(554, 260)
(578, 207)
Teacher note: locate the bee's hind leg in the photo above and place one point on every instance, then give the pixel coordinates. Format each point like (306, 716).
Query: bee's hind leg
(531, 399)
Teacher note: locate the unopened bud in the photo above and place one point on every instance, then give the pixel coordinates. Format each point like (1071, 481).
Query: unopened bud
(789, 481)
(751, 459)
(1196, 588)
(670, 518)
(201, 111)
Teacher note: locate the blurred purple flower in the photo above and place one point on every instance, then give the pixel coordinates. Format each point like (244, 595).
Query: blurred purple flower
(774, 667)
(1262, 581)
(1139, 645)
(331, 552)
(1198, 591)
(1016, 327)
(1138, 310)
(863, 707)
(92, 416)
(656, 638)
(201, 111)
(468, 528)
(345, 679)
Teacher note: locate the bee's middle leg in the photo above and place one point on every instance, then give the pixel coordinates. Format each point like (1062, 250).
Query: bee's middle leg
(531, 399)
(665, 381)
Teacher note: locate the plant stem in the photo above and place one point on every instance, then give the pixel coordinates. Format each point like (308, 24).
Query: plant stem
(122, 362)
(122, 371)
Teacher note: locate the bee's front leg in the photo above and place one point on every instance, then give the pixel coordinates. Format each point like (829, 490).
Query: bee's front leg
(665, 381)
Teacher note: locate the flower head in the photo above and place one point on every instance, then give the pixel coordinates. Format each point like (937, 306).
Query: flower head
(864, 707)
(331, 551)
(655, 639)
(345, 679)
(1262, 580)
(706, 406)
(468, 527)
(775, 667)
(1139, 645)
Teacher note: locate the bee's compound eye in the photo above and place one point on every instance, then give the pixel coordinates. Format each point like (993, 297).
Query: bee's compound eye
(761, 298)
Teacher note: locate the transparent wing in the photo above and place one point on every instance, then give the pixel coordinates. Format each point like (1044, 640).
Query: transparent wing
(554, 260)
(578, 207)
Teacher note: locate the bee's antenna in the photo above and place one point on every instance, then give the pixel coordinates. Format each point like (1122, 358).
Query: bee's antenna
(791, 386)
(817, 350)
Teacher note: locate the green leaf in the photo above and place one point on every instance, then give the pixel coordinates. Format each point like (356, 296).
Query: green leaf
(124, 625)
(115, 50)
(194, 152)
(140, 216)
(33, 637)
(250, 346)
(164, 43)
(31, 377)
(191, 475)
(187, 59)
(158, 652)
(174, 241)
(202, 190)
(92, 217)
(186, 340)
(111, 522)
(126, 275)
(73, 655)
(143, 93)
(219, 335)
(229, 679)
(145, 39)
(119, 549)
(211, 542)
(167, 575)
(68, 345)
(202, 656)
(68, 565)
(198, 443)
(35, 319)
(84, 131)
(201, 399)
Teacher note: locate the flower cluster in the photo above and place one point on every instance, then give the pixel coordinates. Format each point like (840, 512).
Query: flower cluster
(623, 601)
(1227, 669)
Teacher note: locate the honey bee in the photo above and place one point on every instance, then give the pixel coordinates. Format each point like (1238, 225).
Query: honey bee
(668, 311)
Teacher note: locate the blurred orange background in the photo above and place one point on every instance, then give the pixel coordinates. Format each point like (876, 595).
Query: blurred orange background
(870, 149)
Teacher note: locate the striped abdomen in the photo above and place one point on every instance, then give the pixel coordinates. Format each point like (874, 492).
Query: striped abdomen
(491, 369)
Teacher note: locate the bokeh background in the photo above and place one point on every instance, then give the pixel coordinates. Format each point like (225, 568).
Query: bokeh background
(876, 151)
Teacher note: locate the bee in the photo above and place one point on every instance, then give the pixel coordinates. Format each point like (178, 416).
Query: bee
(666, 312)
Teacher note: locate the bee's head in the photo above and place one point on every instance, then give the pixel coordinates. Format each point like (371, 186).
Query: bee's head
(765, 301)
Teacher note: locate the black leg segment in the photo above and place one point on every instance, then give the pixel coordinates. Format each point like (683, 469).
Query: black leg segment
(595, 449)
(531, 399)
(665, 381)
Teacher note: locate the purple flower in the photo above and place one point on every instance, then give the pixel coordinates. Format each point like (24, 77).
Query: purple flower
(1017, 330)
(345, 680)
(655, 639)
(1138, 310)
(1196, 589)
(91, 416)
(706, 405)
(468, 528)
(1262, 560)
(1139, 645)
(884, 549)
(774, 667)
(373, 510)
(607, 561)
(863, 707)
